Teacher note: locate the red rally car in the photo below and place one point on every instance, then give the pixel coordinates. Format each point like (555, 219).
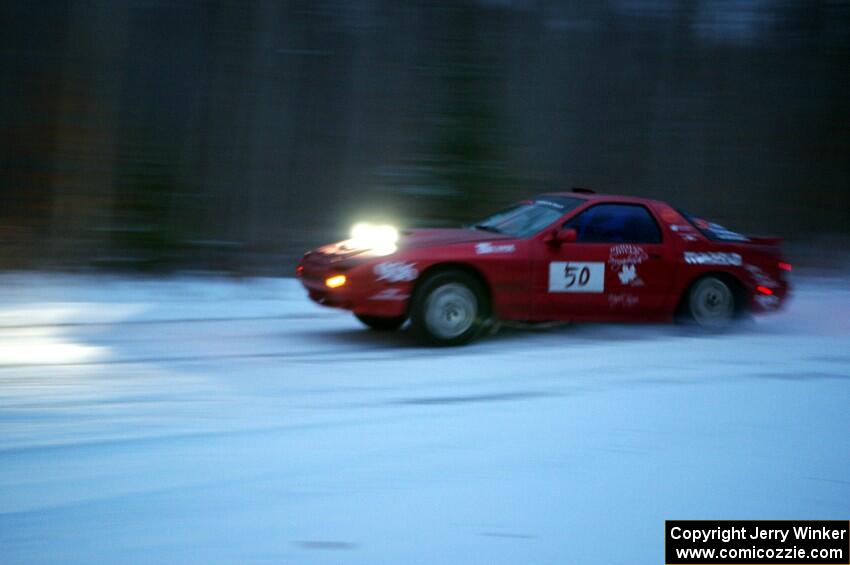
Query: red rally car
(561, 256)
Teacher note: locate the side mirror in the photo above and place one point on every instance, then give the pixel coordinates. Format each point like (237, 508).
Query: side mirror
(558, 237)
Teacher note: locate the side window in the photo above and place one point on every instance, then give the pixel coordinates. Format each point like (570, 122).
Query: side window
(616, 223)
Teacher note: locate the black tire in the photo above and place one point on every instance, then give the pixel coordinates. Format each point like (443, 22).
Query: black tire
(449, 308)
(381, 323)
(712, 303)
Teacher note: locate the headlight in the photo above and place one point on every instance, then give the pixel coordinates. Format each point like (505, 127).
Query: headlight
(381, 239)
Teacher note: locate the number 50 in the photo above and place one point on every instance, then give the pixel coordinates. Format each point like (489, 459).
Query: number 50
(570, 274)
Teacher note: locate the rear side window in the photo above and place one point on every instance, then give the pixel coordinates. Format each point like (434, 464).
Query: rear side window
(616, 223)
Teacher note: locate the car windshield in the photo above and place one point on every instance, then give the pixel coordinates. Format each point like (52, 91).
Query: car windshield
(713, 230)
(528, 217)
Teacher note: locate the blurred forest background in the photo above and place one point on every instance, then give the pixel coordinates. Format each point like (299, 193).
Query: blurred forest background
(235, 134)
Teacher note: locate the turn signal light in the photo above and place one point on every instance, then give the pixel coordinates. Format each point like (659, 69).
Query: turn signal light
(335, 281)
(764, 290)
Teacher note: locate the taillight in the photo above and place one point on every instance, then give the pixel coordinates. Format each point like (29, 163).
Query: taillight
(299, 270)
(784, 266)
(764, 290)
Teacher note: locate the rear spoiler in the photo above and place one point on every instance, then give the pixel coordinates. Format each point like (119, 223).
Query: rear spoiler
(764, 240)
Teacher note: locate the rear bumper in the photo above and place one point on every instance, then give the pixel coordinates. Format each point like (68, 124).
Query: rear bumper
(763, 302)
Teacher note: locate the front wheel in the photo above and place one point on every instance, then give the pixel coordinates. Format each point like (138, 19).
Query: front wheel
(381, 323)
(449, 308)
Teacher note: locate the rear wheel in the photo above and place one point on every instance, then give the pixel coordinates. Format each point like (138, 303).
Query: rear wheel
(712, 303)
(382, 323)
(449, 308)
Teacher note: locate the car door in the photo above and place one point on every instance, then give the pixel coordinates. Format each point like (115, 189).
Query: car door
(618, 267)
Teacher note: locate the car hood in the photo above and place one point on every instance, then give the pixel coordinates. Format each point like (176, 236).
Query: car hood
(343, 251)
(416, 239)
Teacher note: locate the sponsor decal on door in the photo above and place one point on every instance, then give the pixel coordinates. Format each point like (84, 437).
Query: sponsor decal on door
(576, 277)
(626, 258)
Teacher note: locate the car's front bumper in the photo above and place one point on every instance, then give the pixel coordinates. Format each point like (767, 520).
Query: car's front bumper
(362, 292)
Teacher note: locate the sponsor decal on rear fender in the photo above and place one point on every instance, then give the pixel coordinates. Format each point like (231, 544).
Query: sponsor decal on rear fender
(684, 231)
(712, 258)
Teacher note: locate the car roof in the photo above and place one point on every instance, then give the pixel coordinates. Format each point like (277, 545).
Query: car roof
(604, 197)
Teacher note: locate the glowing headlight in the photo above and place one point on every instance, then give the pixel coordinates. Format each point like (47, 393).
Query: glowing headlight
(380, 239)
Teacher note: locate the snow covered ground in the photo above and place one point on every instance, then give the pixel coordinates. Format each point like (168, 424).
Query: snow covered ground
(213, 421)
